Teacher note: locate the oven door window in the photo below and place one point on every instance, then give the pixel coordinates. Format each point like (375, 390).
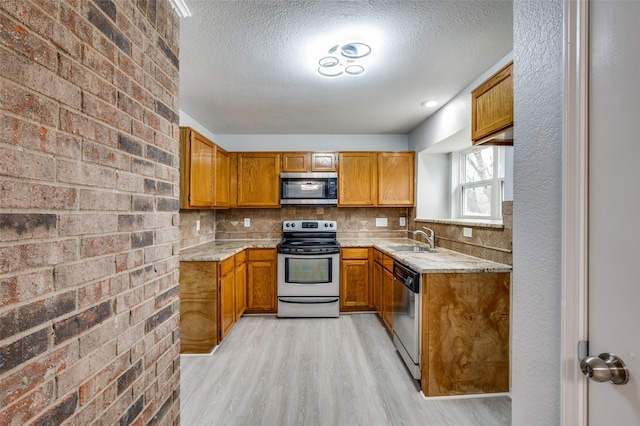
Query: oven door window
(307, 271)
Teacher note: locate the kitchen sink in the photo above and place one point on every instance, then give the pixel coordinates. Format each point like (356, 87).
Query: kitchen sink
(412, 249)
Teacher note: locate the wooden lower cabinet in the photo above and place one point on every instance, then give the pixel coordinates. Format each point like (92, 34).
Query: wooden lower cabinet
(241, 283)
(212, 298)
(198, 307)
(261, 281)
(376, 277)
(226, 269)
(465, 333)
(387, 298)
(355, 287)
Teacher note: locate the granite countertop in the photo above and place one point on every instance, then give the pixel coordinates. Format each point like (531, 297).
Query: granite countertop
(216, 251)
(440, 261)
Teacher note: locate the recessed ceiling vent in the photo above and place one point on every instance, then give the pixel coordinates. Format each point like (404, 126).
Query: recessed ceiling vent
(345, 59)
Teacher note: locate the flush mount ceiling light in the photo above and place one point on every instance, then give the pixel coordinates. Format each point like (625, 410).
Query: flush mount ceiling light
(429, 104)
(344, 59)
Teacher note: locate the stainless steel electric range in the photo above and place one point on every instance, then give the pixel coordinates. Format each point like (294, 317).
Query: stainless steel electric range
(309, 269)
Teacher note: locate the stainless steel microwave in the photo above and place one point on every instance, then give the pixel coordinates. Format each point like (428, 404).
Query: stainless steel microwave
(309, 189)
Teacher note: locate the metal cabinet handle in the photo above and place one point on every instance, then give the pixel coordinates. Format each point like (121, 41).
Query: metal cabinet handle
(605, 367)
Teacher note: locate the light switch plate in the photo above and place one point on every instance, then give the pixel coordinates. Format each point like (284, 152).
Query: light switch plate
(198, 225)
(403, 221)
(381, 221)
(467, 232)
(247, 222)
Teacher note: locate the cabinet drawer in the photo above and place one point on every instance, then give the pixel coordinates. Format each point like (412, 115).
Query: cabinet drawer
(226, 266)
(355, 253)
(241, 257)
(262, 254)
(377, 256)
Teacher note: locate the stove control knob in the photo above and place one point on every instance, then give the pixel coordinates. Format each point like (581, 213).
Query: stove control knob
(331, 225)
(293, 225)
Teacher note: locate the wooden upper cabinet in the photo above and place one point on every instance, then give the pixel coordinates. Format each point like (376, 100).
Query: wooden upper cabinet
(376, 179)
(204, 172)
(324, 162)
(296, 162)
(357, 178)
(396, 178)
(221, 196)
(492, 108)
(258, 179)
(301, 162)
(197, 170)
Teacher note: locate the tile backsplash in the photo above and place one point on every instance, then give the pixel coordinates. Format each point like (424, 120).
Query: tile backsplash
(491, 243)
(352, 222)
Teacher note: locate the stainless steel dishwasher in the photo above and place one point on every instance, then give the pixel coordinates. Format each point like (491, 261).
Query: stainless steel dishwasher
(407, 317)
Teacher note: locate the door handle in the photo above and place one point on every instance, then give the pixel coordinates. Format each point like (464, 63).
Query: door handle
(605, 367)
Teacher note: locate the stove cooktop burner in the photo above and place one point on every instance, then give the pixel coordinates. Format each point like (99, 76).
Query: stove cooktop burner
(309, 237)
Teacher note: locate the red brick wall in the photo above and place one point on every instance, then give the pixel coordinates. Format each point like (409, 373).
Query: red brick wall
(89, 187)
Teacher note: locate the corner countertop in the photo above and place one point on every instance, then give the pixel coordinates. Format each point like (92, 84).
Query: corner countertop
(440, 261)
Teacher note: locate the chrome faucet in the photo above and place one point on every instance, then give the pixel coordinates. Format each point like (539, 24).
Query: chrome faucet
(431, 238)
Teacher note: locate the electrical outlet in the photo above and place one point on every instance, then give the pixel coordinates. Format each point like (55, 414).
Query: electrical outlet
(198, 225)
(247, 222)
(381, 221)
(467, 232)
(403, 221)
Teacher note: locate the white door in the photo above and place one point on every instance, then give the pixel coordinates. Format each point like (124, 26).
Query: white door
(614, 205)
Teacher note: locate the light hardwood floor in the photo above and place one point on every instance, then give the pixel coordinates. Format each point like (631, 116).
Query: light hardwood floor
(334, 371)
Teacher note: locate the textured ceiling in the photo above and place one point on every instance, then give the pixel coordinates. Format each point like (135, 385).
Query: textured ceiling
(250, 67)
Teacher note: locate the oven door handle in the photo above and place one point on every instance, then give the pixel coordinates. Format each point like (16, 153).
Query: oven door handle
(308, 300)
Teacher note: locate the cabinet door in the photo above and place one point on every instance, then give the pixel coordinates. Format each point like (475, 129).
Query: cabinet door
(261, 281)
(357, 173)
(198, 307)
(241, 288)
(387, 302)
(396, 178)
(295, 162)
(354, 283)
(222, 178)
(197, 169)
(323, 162)
(227, 304)
(259, 179)
(492, 106)
(377, 287)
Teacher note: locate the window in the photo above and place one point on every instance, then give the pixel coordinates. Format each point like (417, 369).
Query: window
(480, 190)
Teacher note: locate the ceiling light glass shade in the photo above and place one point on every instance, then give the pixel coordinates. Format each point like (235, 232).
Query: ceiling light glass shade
(328, 61)
(355, 50)
(354, 69)
(330, 71)
(429, 103)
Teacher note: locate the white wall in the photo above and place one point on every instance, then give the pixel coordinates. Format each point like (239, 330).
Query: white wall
(537, 201)
(187, 120)
(434, 171)
(324, 142)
